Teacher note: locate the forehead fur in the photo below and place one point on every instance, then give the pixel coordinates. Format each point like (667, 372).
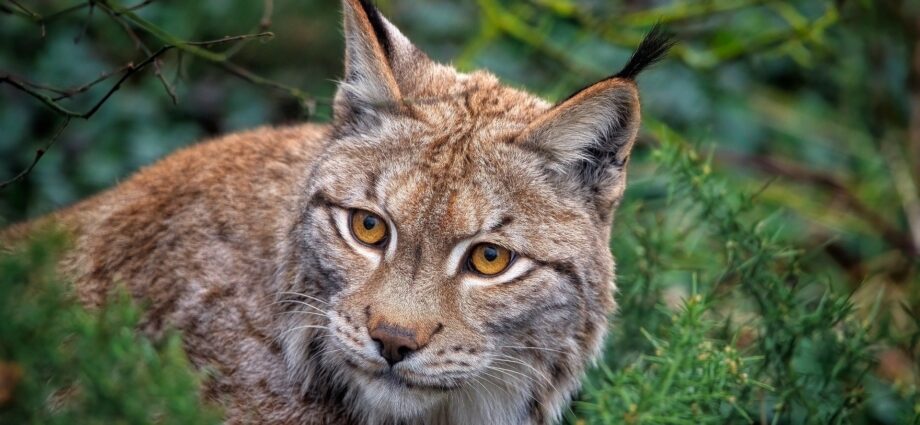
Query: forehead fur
(452, 127)
(465, 99)
(442, 99)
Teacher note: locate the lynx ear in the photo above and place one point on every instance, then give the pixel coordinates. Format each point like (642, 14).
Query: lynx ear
(588, 137)
(377, 60)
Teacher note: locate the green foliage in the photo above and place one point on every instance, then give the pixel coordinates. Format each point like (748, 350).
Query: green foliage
(753, 340)
(689, 378)
(68, 365)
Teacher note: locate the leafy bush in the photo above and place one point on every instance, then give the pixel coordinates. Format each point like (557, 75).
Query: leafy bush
(753, 339)
(63, 364)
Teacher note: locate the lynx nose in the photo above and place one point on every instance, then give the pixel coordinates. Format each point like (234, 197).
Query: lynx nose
(395, 342)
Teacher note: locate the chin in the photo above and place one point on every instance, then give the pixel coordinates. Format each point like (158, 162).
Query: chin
(392, 393)
(398, 398)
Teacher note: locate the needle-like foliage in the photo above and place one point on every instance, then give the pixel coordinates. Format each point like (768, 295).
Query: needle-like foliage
(63, 364)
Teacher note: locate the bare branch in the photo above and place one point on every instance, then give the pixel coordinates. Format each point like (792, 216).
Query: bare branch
(54, 15)
(25, 10)
(245, 37)
(63, 93)
(139, 44)
(267, 10)
(89, 19)
(138, 6)
(268, 7)
(305, 100)
(39, 153)
(48, 101)
(83, 88)
(195, 48)
(128, 20)
(51, 103)
(39, 86)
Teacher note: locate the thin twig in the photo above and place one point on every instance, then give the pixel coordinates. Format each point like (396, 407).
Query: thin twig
(170, 90)
(139, 44)
(54, 15)
(138, 6)
(268, 7)
(89, 19)
(27, 13)
(64, 93)
(179, 67)
(126, 17)
(307, 101)
(68, 114)
(267, 35)
(51, 103)
(41, 20)
(83, 88)
(26, 10)
(39, 86)
(39, 153)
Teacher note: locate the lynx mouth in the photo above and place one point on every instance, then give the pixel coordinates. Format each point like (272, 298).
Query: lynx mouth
(394, 378)
(398, 379)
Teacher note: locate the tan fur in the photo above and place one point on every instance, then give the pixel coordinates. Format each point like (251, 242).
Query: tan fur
(240, 244)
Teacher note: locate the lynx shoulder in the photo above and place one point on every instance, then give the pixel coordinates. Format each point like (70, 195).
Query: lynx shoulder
(437, 254)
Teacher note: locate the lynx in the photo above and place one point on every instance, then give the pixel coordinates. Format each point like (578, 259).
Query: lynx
(438, 254)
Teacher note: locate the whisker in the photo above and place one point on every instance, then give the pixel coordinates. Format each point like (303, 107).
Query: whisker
(509, 359)
(326, 350)
(476, 380)
(466, 392)
(303, 312)
(533, 348)
(525, 376)
(503, 384)
(303, 295)
(530, 394)
(537, 371)
(301, 303)
(302, 327)
(318, 354)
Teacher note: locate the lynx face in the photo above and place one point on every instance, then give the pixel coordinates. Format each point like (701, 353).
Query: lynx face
(451, 256)
(452, 247)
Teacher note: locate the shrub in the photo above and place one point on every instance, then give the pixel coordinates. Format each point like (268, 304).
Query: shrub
(63, 364)
(720, 324)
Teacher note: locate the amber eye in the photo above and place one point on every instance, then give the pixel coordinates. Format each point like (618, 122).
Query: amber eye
(368, 227)
(488, 259)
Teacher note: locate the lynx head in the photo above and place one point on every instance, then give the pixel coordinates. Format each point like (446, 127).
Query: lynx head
(453, 243)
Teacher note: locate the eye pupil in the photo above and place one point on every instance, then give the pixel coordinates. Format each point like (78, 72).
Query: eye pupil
(489, 260)
(368, 228)
(490, 253)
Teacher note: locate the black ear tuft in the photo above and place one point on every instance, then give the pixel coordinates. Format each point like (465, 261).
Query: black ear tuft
(376, 20)
(652, 49)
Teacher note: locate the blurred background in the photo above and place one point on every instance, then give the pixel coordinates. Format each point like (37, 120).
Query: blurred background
(781, 147)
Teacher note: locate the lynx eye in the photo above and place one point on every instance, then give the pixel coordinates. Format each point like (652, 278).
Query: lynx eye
(368, 228)
(489, 259)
